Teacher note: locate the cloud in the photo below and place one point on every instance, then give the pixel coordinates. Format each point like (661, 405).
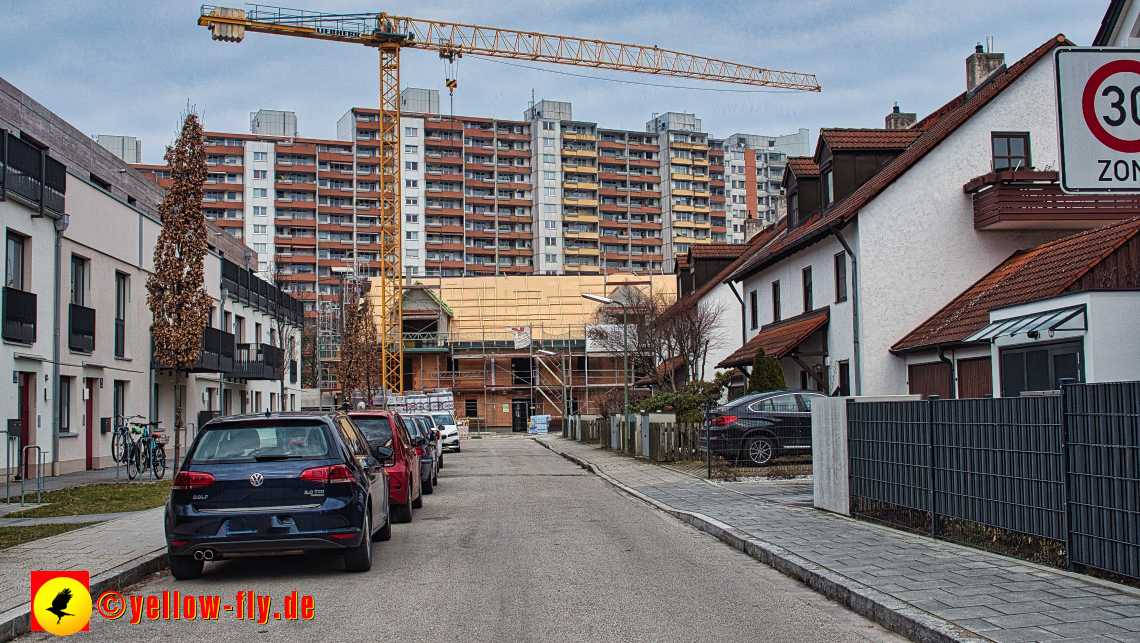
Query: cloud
(130, 67)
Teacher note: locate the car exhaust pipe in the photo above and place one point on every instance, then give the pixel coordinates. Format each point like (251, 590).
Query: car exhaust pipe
(198, 555)
(208, 554)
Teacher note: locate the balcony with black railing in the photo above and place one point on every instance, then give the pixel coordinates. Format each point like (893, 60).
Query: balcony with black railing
(28, 172)
(81, 328)
(259, 362)
(215, 356)
(19, 316)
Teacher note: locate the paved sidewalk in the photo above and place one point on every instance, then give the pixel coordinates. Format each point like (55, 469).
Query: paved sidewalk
(64, 520)
(116, 553)
(958, 593)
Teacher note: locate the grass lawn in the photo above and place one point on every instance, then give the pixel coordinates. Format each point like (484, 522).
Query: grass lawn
(98, 499)
(12, 536)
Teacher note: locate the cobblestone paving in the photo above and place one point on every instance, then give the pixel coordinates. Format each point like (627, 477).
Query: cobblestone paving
(94, 549)
(999, 598)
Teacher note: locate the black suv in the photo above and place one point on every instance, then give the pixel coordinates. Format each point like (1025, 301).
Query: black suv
(756, 428)
(277, 482)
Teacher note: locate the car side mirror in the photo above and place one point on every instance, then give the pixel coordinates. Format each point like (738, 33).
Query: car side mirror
(420, 442)
(383, 453)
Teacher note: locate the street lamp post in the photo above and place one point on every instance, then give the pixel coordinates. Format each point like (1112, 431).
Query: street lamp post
(624, 359)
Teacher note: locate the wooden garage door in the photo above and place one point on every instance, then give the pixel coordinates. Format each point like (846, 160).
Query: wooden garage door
(975, 378)
(930, 379)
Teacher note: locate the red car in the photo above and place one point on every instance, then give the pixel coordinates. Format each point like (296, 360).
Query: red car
(404, 490)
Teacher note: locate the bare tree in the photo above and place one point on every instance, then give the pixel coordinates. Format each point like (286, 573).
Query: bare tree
(359, 366)
(287, 336)
(310, 365)
(176, 292)
(668, 340)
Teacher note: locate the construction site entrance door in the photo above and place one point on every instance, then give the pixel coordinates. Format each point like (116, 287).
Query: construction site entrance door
(520, 413)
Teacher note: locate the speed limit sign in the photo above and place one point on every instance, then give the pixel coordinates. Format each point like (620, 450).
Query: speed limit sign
(1098, 113)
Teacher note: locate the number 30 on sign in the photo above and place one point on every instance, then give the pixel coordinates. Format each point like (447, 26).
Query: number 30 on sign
(1098, 117)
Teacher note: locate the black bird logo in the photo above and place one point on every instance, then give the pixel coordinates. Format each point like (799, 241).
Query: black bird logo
(59, 603)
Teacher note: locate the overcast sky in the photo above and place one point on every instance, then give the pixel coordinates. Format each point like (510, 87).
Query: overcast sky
(130, 67)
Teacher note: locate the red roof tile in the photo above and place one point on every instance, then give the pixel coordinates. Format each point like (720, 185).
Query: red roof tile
(868, 139)
(1037, 273)
(716, 250)
(818, 226)
(682, 262)
(778, 339)
(803, 166)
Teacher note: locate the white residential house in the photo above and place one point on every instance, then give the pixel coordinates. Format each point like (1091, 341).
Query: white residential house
(893, 226)
(80, 230)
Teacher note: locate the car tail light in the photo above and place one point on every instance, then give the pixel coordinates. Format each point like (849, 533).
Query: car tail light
(192, 479)
(333, 473)
(419, 450)
(723, 420)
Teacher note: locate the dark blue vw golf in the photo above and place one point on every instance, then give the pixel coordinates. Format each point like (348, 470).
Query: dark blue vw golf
(277, 482)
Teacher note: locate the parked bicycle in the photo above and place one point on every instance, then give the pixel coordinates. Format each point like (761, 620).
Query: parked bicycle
(147, 451)
(121, 438)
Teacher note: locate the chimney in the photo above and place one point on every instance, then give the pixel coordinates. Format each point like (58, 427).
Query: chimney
(899, 120)
(752, 226)
(981, 66)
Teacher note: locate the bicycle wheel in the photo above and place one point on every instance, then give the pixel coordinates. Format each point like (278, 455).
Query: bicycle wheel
(119, 445)
(158, 461)
(144, 457)
(132, 461)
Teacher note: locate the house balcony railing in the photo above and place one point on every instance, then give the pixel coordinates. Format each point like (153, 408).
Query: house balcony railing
(259, 362)
(19, 316)
(81, 328)
(31, 174)
(215, 356)
(1028, 199)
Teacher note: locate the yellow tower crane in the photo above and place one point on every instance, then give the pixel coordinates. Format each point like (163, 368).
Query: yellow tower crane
(390, 34)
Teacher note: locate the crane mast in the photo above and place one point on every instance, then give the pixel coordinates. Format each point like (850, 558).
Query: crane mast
(390, 34)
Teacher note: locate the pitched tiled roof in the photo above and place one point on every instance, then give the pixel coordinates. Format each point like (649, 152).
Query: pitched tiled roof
(662, 369)
(1037, 273)
(803, 166)
(868, 139)
(716, 250)
(778, 339)
(756, 243)
(682, 262)
(819, 225)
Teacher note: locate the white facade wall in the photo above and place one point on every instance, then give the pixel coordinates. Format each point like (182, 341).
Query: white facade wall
(260, 227)
(413, 193)
(1110, 345)
(789, 272)
(919, 248)
(546, 161)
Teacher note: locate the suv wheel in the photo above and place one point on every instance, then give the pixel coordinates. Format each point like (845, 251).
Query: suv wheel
(185, 567)
(428, 487)
(759, 451)
(359, 558)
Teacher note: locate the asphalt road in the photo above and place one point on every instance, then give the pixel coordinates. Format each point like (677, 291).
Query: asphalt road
(517, 544)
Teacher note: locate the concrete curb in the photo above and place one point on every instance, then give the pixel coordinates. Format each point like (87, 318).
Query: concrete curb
(892, 613)
(17, 621)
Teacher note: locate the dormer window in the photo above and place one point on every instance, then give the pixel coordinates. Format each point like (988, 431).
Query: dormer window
(1011, 151)
(828, 188)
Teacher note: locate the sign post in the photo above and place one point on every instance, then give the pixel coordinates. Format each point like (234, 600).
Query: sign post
(1098, 117)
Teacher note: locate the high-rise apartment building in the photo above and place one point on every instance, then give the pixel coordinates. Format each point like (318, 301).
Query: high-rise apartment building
(686, 211)
(547, 194)
(125, 148)
(753, 168)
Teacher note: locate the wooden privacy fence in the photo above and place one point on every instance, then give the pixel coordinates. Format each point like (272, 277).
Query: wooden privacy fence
(673, 442)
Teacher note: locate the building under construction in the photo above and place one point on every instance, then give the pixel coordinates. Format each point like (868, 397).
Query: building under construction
(511, 347)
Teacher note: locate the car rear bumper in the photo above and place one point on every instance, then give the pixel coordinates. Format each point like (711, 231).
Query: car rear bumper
(399, 489)
(332, 525)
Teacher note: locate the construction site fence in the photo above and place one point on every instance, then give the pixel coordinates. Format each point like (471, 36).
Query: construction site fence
(658, 437)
